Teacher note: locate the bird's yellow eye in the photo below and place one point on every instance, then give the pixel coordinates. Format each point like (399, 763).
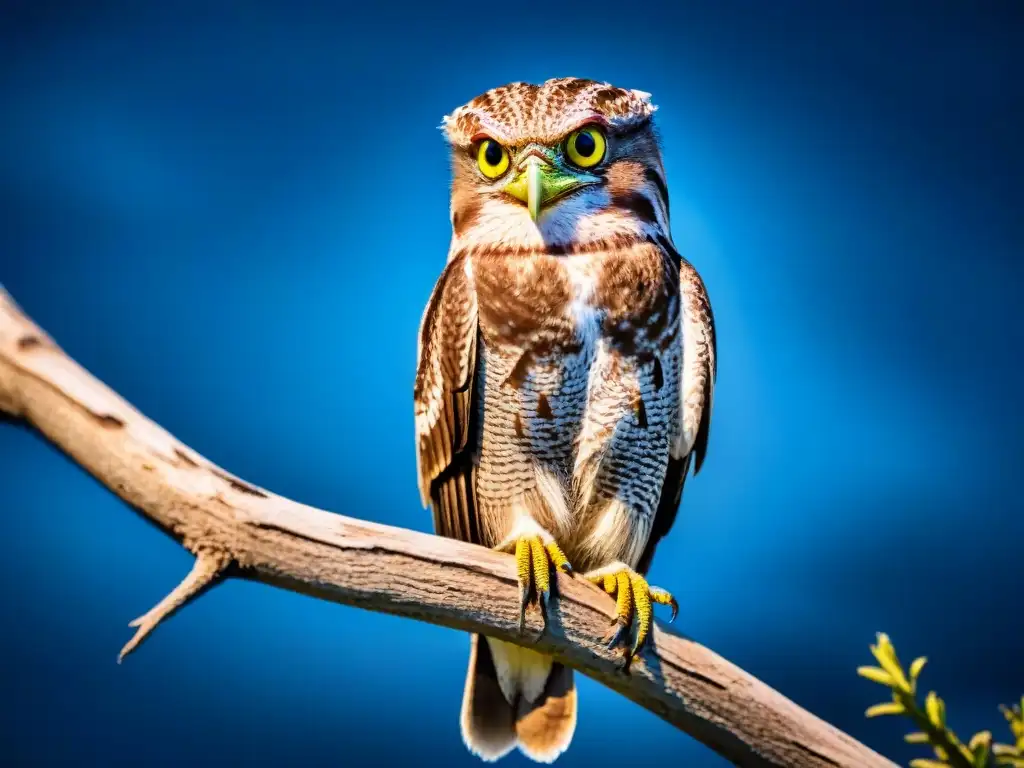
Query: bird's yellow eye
(586, 147)
(492, 158)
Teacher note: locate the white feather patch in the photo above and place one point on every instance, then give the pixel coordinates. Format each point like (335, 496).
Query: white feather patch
(552, 491)
(620, 534)
(521, 671)
(580, 218)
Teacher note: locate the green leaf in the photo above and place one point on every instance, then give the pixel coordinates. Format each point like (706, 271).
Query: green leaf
(883, 650)
(885, 653)
(916, 738)
(876, 675)
(980, 747)
(917, 666)
(923, 763)
(935, 709)
(888, 708)
(981, 737)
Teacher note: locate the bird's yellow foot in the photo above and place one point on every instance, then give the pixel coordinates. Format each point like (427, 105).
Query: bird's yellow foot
(634, 597)
(535, 554)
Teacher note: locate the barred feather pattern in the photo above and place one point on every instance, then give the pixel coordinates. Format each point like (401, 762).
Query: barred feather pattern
(565, 368)
(578, 392)
(565, 365)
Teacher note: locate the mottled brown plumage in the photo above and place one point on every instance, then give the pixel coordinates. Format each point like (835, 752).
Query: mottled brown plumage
(545, 113)
(565, 373)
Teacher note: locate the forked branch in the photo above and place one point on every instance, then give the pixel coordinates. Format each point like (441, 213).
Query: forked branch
(238, 529)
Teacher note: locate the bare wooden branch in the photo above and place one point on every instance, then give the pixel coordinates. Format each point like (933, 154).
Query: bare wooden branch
(228, 522)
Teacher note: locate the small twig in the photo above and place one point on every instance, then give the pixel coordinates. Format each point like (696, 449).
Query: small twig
(205, 570)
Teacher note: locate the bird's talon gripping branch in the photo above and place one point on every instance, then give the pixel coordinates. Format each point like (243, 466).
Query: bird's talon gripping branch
(634, 597)
(534, 559)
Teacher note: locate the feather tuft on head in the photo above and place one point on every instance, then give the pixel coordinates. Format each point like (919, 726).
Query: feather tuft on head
(546, 112)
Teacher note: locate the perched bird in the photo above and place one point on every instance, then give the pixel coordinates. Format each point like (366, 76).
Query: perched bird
(565, 372)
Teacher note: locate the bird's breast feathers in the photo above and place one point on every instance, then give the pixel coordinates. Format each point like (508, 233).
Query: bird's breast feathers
(582, 356)
(538, 301)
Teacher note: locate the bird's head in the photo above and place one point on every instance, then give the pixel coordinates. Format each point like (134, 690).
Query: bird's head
(567, 161)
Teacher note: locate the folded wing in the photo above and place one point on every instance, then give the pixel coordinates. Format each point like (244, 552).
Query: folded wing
(697, 386)
(444, 396)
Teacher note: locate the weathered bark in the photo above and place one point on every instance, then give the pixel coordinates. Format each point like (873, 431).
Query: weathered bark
(237, 529)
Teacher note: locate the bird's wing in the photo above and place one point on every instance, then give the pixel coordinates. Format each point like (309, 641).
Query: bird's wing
(697, 387)
(444, 395)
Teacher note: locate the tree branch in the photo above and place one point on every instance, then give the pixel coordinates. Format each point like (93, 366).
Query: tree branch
(238, 529)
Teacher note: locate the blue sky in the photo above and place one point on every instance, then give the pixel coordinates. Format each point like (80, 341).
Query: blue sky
(234, 216)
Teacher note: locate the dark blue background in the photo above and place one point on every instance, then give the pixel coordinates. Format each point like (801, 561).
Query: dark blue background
(234, 215)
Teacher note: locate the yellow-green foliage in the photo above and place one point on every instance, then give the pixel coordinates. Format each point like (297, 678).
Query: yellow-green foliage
(930, 718)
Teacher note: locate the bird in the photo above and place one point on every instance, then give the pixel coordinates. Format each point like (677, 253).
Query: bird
(565, 370)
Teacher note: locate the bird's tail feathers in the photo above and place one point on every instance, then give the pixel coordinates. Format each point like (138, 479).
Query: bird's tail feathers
(488, 720)
(545, 726)
(516, 697)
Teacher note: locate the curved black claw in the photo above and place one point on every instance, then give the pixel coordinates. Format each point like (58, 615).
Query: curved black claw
(675, 609)
(620, 633)
(524, 600)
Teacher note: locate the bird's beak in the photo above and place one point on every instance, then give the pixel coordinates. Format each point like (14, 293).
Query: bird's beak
(538, 182)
